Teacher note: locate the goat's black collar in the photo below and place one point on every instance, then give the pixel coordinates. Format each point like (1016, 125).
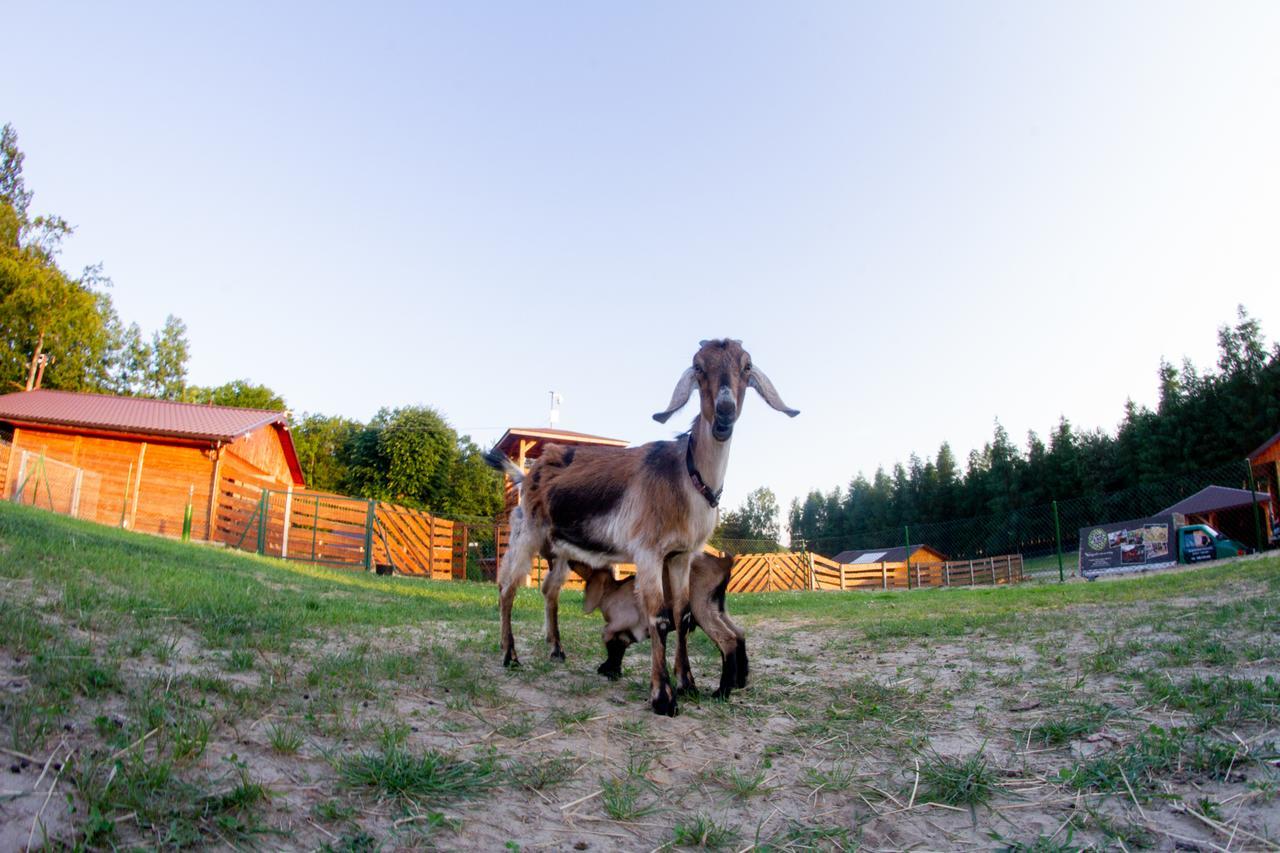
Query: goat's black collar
(712, 498)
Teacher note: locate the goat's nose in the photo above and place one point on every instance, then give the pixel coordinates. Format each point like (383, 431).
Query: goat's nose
(726, 406)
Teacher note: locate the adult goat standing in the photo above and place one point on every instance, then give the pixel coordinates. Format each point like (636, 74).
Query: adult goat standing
(654, 505)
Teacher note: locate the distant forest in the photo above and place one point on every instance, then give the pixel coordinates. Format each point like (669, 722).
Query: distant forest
(1202, 420)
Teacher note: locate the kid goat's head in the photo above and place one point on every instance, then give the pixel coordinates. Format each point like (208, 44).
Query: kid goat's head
(723, 371)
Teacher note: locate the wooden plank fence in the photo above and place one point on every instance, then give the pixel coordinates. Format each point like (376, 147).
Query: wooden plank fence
(336, 530)
(803, 570)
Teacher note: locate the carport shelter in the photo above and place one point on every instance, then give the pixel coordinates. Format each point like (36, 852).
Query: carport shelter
(1225, 509)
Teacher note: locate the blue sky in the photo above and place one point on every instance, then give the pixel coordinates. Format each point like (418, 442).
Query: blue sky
(918, 217)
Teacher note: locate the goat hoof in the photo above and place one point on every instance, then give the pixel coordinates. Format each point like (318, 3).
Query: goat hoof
(721, 694)
(557, 655)
(511, 662)
(609, 672)
(664, 703)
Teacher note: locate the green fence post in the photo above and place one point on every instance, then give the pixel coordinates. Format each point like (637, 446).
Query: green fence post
(1257, 522)
(1057, 535)
(906, 535)
(263, 500)
(315, 525)
(370, 519)
(186, 515)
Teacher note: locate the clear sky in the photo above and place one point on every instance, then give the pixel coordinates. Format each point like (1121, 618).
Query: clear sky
(919, 217)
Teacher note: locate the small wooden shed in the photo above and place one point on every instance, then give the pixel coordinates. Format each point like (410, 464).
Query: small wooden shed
(140, 463)
(918, 554)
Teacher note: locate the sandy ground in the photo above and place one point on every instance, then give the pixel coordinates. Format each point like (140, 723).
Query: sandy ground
(829, 747)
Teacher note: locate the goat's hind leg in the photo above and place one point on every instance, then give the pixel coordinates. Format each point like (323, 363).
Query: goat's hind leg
(551, 585)
(512, 575)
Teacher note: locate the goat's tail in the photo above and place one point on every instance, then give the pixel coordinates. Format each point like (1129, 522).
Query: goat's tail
(498, 460)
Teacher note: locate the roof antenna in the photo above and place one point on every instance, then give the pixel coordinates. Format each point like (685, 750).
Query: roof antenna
(556, 400)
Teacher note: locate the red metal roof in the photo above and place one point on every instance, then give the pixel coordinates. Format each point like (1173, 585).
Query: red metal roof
(134, 414)
(142, 416)
(546, 435)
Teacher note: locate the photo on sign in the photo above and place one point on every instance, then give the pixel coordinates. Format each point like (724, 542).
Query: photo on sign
(1131, 554)
(1157, 539)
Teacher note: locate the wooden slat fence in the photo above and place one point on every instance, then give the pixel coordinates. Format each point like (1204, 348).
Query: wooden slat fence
(413, 542)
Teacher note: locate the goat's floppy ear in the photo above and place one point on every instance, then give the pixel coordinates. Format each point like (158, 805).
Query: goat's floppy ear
(679, 397)
(761, 383)
(594, 591)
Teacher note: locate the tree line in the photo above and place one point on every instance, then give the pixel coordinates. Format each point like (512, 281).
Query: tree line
(61, 331)
(1202, 420)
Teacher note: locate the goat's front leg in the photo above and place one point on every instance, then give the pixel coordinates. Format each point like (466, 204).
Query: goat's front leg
(653, 604)
(678, 578)
(551, 585)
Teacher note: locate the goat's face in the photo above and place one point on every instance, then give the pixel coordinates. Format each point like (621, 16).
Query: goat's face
(722, 371)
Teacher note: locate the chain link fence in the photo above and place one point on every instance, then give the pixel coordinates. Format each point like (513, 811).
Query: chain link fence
(1045, 532)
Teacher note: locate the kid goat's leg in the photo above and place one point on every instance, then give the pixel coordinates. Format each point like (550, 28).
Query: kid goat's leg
(728, 639)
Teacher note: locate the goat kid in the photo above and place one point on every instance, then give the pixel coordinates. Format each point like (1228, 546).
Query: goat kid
(654, 505)
(625, 622)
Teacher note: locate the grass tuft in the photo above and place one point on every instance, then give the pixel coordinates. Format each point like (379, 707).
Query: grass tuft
(429, 777)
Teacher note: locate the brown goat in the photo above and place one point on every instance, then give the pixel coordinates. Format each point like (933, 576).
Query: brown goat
(625, 622)
(653, 505)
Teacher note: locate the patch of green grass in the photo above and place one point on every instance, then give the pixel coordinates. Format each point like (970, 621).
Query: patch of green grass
(623, 798)
(1157, 754)
(565, 719)
(172, 811)
(798, 836)
(967, 781)
(240, 660)
(543, 771)
(704, 833)
(741, 783)
(285, 739)
(837, 777)
(1076, 723)
(430, 777)
(1218, 700)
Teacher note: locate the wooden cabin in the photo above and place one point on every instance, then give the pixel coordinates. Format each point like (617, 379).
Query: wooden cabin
(139, 463)
(522, 445)
(1266, 474)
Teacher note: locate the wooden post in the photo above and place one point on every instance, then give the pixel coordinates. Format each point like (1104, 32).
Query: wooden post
(137, 486)
(842, 580)
(946, 574)
(884, 576)
(971, 583)
(8, 465)
(22, 472)
(288, 517)
(215, 475)
(75, 493)
(813, 577)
